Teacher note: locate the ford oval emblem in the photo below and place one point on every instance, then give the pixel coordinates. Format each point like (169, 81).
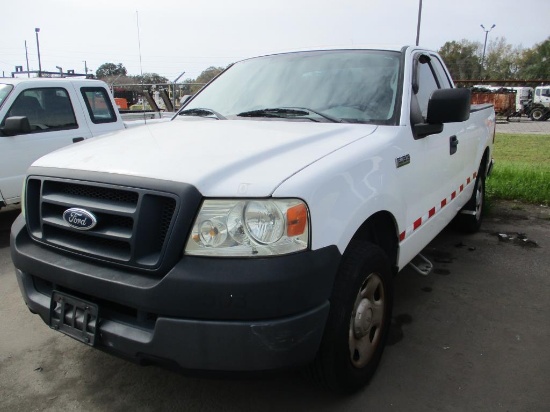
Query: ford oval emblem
(79, 218)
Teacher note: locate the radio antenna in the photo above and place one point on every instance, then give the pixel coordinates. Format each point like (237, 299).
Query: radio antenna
(139, 46)
(140, 65)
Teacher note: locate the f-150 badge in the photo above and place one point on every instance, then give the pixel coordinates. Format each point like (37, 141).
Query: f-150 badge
(402, 161)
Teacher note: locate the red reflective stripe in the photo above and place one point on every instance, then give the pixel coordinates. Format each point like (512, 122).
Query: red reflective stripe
(418, 222)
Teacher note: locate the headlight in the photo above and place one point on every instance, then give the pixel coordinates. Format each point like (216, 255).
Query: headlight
(254, 227)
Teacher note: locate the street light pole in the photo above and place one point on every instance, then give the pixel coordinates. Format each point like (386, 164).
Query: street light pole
(484, 47)
(37, 30)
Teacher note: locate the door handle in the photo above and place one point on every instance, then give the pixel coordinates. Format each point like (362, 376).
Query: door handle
(78, 139)
(453, 142)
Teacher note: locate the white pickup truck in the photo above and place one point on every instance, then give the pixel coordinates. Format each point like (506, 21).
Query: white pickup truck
(261, 228)
(40, 115)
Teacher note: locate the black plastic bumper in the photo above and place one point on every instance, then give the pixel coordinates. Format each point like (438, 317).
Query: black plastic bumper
(205, 314)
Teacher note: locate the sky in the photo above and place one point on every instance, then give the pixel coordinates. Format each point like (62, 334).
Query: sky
(178, 36)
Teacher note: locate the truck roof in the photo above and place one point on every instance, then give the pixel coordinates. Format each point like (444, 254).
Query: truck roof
(18, 80)
(367, 46)
(375, 46)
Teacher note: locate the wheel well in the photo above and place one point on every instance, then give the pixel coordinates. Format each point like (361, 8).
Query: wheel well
(381, 230)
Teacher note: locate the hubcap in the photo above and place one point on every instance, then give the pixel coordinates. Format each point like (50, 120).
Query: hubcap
(367, 318)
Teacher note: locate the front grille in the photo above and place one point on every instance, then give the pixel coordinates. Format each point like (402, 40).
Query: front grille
(132, 228)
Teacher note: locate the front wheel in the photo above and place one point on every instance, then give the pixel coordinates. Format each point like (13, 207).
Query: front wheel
(537, 114)
(359, 319)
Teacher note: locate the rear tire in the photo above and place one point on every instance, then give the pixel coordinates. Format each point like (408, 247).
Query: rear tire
(470, 218)
(359, 320)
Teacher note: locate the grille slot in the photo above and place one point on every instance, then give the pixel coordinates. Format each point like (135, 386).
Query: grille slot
(132, 228)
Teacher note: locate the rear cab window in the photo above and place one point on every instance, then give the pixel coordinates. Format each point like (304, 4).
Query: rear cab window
(99, 105)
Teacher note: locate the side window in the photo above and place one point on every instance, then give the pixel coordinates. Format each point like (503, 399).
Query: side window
(426, 85)
(441, 74)
(98, 104)
(46, 108)
(5, 90)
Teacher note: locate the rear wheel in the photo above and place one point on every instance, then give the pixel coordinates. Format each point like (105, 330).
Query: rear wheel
(359, 319)
(470, 217)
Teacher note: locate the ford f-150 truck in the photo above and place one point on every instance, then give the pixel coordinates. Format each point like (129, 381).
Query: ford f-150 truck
(261, 228)
(40, 115)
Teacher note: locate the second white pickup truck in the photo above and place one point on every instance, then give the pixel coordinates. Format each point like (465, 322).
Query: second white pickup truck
(40, 115)
(261, 228)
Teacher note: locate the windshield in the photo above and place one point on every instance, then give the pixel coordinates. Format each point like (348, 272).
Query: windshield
(357, 86)
(5, 89)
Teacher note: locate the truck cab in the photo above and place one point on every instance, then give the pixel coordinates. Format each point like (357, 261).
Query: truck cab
(40, 115)
(540, 108)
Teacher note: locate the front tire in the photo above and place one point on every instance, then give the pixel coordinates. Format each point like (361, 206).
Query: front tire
(359, 319)
(537, 114)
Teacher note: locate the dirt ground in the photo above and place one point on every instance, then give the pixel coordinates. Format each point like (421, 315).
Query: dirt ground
(473, 335)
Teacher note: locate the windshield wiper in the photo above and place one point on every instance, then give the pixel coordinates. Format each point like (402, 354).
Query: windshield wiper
(287, 112)
(202, 112)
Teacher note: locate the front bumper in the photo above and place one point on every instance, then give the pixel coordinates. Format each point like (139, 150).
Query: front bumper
(205, 314)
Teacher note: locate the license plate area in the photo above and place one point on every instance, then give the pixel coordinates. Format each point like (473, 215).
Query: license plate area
(74, 317)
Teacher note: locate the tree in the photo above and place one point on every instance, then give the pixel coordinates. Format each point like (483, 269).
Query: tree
(110, 69)
(534, 63)
(150, 78)
(462, 59)
(502, 60)
(203, 78)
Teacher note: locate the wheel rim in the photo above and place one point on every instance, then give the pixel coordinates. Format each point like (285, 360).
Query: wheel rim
(536, 114)
(367, 318)
(479, 199)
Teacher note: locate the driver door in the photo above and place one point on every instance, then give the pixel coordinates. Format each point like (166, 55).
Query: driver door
(53, 124)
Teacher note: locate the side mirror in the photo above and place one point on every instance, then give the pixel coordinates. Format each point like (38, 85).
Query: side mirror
(449, 106)
(444, 106)
(16, 125)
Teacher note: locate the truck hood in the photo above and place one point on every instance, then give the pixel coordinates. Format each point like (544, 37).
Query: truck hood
(220, 158)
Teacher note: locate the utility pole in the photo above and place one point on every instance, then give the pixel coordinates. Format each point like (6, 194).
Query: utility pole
(174, 90)
(85, 67)
(37, 30)
(419, 19)
(484, 47)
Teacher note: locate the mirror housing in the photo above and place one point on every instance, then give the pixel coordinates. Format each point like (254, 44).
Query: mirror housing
(449, 106)
(444, 106)
(15, 125)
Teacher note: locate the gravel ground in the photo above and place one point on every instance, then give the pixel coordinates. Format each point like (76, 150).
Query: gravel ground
(523, 125)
